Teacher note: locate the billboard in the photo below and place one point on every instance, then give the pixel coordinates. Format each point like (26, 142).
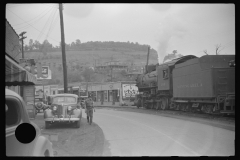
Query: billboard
(129, 90)
(45, 74)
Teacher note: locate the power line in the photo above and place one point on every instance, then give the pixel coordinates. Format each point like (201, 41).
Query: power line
(45, 26)
(31, 25)
(33, 18)
(51, 24)
(25, 27)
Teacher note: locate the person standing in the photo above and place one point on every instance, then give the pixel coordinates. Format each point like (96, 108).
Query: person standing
(89, 109)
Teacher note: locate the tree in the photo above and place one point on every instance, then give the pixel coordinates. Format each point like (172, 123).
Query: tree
(88, 74)
(78, 43)
(26, 48)
(218, 46)
(205, 51)
(31, 44)
(37, 45)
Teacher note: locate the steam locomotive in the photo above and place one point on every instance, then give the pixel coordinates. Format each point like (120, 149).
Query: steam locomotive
(193, 84)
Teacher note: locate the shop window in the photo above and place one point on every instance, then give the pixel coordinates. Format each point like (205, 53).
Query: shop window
(105, 96)
(99, 96)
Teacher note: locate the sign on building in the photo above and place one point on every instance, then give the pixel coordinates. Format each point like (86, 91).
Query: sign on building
(129, 90)
(45, 74)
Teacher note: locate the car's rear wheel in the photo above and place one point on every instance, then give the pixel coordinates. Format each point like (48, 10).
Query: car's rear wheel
(77, 125)
(47, 124)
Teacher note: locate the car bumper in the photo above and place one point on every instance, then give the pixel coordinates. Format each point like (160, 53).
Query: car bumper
(61, 119)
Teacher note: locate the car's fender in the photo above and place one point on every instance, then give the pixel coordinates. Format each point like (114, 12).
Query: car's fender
(77, 112)
(47, 113)
(42, 146)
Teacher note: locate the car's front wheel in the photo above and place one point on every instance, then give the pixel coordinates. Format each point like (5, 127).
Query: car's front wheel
(78, 123)
(47, 124)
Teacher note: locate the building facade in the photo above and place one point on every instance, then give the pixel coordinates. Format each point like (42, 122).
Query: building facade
(107, 93)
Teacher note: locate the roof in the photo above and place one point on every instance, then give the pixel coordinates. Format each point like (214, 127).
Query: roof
(179, 60)
(11, 27)
(16, 74)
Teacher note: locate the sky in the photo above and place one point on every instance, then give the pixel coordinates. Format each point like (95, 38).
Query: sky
(188, 28)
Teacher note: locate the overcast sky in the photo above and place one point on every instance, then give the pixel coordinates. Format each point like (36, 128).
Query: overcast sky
(187, 28)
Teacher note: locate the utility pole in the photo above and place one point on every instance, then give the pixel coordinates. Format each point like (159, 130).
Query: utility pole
(63, 50)
(22, 38)
(111, 72)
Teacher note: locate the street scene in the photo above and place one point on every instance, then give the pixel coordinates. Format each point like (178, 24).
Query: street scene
(116, 79)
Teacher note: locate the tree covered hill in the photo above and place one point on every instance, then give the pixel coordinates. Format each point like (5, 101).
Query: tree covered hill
(91, 54)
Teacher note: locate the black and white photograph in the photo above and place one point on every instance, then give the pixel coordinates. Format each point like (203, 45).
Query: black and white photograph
(120, 79)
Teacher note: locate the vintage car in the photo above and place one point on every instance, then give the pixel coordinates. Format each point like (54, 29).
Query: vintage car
(16, 114)
(39, 105)
(63, 108)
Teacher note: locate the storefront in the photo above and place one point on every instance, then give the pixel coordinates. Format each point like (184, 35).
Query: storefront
(22, 82)
(113, 93)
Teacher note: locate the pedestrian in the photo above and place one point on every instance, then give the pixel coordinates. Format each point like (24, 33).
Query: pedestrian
(89, 109)
(79, 102)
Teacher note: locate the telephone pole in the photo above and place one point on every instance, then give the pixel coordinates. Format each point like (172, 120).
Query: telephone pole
(63, 49)
(22, 38)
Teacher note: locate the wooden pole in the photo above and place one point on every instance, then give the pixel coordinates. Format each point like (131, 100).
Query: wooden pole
(63, 50)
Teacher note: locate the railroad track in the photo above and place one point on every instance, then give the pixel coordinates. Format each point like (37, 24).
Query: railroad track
(230, 119)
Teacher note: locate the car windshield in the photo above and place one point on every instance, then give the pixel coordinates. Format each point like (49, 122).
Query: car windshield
(64, 99)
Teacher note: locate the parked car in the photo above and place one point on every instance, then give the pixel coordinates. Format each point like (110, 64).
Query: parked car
(39, 105)
(63, 108)
(16, 114)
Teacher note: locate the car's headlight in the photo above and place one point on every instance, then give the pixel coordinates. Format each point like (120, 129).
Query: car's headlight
(69, 108)
(55, 108)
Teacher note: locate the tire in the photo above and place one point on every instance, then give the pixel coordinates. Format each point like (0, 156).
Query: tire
(77, 125)
(47, 124)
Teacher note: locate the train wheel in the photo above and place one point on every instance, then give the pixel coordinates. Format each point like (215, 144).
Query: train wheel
(164, 104)
(209, 109)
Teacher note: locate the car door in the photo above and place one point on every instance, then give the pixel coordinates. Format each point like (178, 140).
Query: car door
(14, 117)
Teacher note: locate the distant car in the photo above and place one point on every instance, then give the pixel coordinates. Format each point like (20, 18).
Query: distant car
(16, 114)
(63, 108)
(39, 105)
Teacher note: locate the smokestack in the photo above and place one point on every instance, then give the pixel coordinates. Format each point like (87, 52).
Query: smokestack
(146, 70)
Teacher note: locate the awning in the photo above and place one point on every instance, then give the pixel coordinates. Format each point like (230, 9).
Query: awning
(16, 75)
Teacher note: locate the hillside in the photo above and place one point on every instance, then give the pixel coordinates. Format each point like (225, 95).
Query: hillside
(78, 60)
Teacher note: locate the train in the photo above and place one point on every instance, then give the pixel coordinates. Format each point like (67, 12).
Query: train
(189, 83)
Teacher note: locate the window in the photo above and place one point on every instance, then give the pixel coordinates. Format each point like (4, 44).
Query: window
(165, 74)
(64, 100)
(105, 96)
(13, 114)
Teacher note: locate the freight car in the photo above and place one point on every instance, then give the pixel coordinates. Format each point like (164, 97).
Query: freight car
(189, 83)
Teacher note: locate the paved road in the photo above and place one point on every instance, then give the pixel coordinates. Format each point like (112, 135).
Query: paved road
(137, 134)
(124, 133)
